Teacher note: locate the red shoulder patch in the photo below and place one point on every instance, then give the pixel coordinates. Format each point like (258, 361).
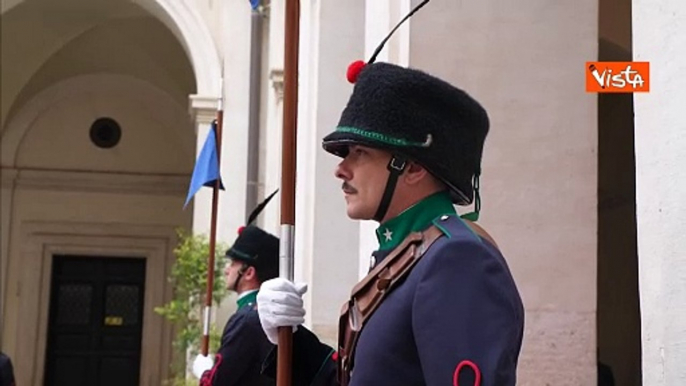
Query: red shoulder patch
(208, 376)
(463, 366)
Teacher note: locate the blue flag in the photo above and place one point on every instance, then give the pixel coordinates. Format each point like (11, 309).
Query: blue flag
(206, 170)
(254, 3)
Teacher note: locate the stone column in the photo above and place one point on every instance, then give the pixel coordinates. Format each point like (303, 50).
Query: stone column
(524, 62)
(332, 36)
(660, 38)
(204, 111)
(274, 116)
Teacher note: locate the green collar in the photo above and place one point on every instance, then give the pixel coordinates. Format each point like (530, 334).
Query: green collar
(247, 299)
(416, 218)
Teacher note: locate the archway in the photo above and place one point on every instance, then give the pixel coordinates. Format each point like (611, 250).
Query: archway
(185, 22)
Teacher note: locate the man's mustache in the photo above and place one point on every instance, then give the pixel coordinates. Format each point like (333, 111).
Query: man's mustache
(348, 189)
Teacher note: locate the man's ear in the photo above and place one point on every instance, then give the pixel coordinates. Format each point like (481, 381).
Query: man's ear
(414, 173)
(250, 273)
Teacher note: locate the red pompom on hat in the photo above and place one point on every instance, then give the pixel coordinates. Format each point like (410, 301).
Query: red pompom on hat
(354, 70)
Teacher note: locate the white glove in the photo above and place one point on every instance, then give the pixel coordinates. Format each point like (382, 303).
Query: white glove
(201, 364)
(280, 304)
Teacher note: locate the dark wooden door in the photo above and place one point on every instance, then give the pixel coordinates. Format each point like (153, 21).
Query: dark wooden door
(95, 321)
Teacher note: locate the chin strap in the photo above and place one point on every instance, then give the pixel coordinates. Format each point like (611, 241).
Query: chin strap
(241, 271)
(474, 216)
(396, 166)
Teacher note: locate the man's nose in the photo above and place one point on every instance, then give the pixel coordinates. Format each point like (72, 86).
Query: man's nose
(342, 171)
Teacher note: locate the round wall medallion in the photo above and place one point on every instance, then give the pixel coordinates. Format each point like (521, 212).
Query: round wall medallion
(105, 133)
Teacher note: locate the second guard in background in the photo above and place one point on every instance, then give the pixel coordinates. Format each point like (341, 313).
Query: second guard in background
(254, 258)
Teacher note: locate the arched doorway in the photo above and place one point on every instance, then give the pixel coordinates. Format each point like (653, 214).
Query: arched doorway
(97, 149)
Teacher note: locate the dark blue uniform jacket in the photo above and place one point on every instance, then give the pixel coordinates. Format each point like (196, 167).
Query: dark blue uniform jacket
(457, 320)
(244, 347)
(6, 371)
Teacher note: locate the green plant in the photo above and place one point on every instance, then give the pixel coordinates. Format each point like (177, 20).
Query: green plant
(185, 310)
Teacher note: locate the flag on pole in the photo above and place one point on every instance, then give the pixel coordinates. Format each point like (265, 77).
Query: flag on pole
(254, 3)
(206, 170)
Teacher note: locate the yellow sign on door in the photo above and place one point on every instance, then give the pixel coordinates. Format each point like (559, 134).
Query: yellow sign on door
(114, 321)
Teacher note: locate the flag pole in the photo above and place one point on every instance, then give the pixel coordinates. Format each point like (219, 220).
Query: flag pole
(288, 172)
(204, 349)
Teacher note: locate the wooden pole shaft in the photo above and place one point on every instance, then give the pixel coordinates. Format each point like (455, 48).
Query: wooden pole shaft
(288, 173)
(290, 113)
(205, 345)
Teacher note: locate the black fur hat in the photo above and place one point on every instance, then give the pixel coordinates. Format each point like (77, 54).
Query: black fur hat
(256, 247)
(418, 116)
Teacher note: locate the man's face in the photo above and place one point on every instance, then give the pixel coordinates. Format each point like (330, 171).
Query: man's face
(231, 273)
(364, 174)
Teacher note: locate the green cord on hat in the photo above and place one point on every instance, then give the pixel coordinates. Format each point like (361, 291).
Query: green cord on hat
(474, 216)
(387, 139)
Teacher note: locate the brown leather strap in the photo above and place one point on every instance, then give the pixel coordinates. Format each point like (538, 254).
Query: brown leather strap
(368, 294)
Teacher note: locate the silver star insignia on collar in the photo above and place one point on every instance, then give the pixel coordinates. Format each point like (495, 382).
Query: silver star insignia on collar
(388, 234)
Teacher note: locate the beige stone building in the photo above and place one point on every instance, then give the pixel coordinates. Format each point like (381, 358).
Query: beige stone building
(104, 105)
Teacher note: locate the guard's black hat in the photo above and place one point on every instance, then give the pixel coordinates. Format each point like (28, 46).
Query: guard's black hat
(256, 247)
(418, 117)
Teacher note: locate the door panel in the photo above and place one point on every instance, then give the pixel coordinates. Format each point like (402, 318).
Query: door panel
(96, 320)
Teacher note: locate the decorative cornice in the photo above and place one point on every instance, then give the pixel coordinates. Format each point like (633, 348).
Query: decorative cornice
(100, 182)
(276, 77)
(203, 109)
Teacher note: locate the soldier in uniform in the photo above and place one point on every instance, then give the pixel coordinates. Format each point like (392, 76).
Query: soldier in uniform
(410, 147)
(6, 370)
(254, 258)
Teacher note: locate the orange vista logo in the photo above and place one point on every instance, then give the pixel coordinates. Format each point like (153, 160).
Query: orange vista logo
(617, 77)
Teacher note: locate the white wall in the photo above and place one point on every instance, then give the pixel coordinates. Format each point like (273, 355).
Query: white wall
(659, 36)
(235, 55)
(539, 181)
(326, 241)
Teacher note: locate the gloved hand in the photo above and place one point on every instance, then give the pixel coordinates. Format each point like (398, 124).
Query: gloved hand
(201, 364)
(280, 304)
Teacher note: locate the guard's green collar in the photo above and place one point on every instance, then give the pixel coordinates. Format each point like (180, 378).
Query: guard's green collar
(247, 299)
(416, 218)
